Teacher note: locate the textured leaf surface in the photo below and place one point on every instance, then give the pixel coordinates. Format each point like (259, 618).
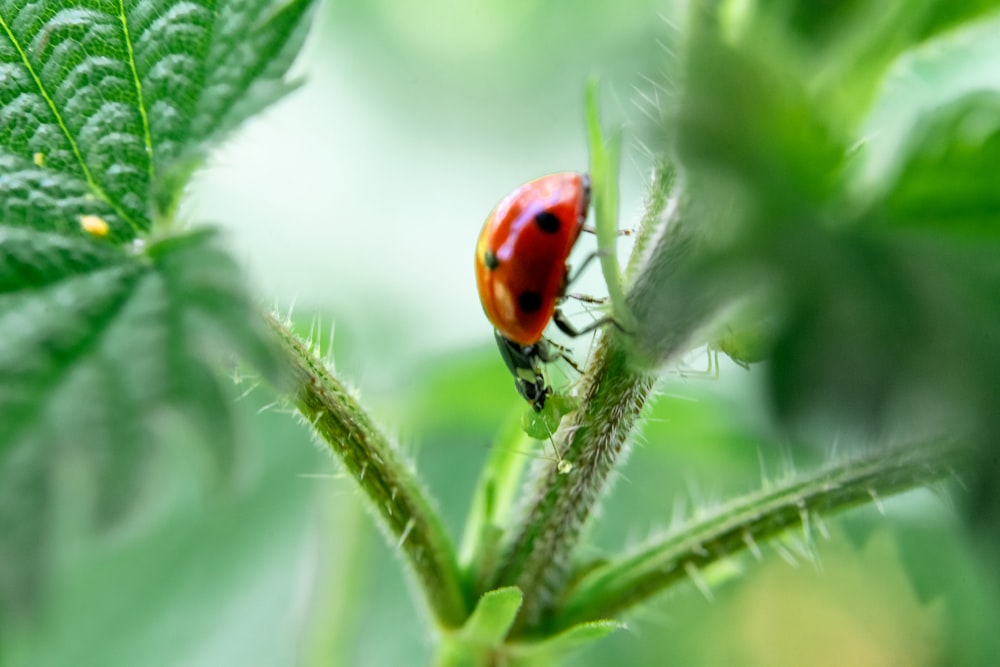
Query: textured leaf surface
(102, 100)
(106, 107)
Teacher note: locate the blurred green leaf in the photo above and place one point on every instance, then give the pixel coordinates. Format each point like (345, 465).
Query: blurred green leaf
(748, 116)
(922, 20)
(948, 182)
(495, 494)
(936, 74)
(901, 306)
(870, 309)
(190, 581)
(100, 346)
(560, 645)
(850, 45)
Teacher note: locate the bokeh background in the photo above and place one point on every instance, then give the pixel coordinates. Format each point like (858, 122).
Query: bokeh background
(356, 203)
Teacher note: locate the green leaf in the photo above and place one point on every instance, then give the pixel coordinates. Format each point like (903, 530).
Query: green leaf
(555, 648)
(491, 619)
(104, 102)
(749, 117)
(484, 631)
(849, 45)
(107, 107)
(481, 640)
(869, 293)
(949, 183)
(921, 81)
(194, 582)
(99, 346)
(604, 183)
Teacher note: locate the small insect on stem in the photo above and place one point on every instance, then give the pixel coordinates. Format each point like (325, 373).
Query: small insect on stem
(522, 275)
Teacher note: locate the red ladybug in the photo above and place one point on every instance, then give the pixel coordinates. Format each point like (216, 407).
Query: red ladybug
(522, 275)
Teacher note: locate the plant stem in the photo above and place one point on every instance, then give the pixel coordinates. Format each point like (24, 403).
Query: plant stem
(741, 525)
(604, 179)
(393, 490)
(538, 561)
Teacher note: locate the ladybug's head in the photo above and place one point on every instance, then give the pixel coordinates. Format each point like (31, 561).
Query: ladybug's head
(533, 392)
(524, 363)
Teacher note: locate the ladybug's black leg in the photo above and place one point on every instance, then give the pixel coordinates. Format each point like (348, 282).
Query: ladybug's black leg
(549, 351)
(567, 327)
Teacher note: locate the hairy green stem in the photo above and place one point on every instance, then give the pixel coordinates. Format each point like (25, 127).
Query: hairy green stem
(741, 525)
(538, 560)
(391, 486)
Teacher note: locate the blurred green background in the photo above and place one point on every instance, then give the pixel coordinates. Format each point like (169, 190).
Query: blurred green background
(359, 199)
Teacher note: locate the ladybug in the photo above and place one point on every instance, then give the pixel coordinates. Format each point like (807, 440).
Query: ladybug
(522, 275)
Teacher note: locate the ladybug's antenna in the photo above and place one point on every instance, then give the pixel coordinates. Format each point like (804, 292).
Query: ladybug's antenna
(587, 298)
(627, 231)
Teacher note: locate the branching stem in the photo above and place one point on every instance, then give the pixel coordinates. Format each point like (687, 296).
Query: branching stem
(538, 560)
(393, 491)
(741, 525)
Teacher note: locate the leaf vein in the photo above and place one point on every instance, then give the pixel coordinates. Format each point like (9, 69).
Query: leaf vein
(138, 90)
(94, 185)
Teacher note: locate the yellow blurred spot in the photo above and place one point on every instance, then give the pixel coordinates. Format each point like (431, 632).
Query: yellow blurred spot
(94, 225)
(860, 609)
(39, 159)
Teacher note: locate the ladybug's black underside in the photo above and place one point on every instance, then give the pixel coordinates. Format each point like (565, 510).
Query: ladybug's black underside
(525, 363)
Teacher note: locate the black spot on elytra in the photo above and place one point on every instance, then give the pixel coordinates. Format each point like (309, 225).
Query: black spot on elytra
(547, 222)
(490, 260)
(529, 301)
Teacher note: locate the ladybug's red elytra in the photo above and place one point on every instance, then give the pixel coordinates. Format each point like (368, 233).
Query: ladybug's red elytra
(522, 252)
(522, 275)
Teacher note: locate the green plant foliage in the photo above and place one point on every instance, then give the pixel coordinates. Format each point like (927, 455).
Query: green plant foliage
(215, 583)
(104, 101)
(484, 632)
(106, 109)
(561, 644)
(877, 292)
(100, 346)
(825, 201)
(947, 185)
